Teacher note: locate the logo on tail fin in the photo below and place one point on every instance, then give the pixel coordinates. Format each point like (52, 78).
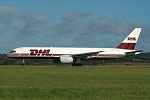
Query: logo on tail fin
(132, 38)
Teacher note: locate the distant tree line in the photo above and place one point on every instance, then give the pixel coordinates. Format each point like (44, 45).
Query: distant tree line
(142, 58)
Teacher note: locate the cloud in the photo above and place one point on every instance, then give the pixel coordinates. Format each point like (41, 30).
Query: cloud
(21, 28)
(76, 22)
(31, 23)
(74, 29)
(83, 23)
(88, 30)
(7, 15)
(71, 23)
(102, 25)
(21, 24)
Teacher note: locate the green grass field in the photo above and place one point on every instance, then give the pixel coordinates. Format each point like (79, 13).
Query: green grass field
(74, 83)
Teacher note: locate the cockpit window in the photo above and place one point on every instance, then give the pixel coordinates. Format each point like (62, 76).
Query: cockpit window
(12, 51)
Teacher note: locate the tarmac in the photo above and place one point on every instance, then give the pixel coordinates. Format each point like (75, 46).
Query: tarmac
(74, 66)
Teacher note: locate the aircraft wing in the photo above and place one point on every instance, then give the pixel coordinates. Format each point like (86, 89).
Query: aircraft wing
(134, 52)
(84, 55)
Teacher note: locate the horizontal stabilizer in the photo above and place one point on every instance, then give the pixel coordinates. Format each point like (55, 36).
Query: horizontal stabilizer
(134, 52)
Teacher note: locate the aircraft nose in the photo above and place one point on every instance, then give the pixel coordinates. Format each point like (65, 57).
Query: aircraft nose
(8, 55)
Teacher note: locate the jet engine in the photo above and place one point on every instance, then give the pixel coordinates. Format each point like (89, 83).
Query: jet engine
(66, 59)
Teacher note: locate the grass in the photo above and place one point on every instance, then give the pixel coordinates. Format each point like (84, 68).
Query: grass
(74, 83)
(128, 64)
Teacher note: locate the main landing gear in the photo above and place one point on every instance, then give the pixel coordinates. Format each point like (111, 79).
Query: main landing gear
(77, 62)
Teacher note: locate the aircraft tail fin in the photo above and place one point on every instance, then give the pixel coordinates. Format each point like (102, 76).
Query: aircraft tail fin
(131, 40)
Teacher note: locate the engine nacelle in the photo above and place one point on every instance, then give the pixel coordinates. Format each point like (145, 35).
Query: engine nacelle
(66, 59)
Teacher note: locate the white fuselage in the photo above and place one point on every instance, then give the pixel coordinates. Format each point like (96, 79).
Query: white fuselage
(56, 52)
(69, 55)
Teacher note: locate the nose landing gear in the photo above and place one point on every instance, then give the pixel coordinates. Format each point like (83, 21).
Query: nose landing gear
(23, 62)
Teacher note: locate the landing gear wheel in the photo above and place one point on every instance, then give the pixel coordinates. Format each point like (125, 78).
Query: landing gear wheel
(77, 62)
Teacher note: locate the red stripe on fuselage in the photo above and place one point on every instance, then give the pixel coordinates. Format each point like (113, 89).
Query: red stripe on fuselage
(127, 46)
(53, 56)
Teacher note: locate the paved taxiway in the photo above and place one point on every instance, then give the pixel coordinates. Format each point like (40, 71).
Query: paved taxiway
(74, 66)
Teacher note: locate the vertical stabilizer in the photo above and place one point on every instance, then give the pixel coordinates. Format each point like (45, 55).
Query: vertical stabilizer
(131, 40)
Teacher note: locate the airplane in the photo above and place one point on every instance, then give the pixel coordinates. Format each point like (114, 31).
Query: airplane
(76, 55)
